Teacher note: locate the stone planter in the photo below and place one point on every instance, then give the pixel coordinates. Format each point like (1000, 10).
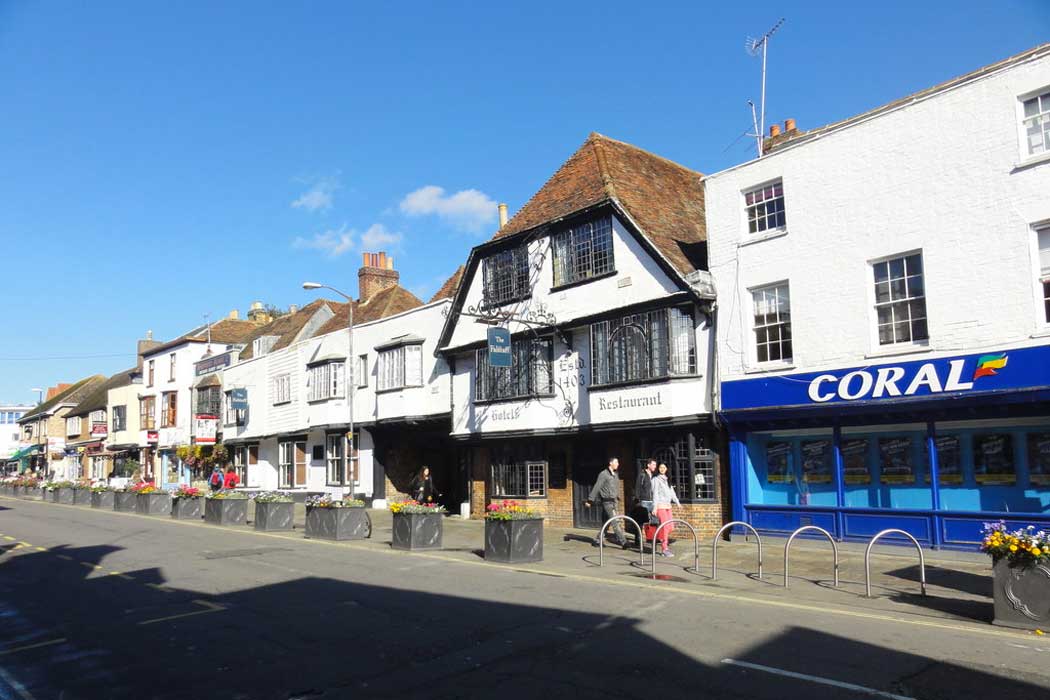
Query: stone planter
(274, 516)
(514, 541)
(1021, 595)
(226, 511)
(338, 523)
(153, 503)
(81, 497)
(414, 531)
(5, 490)
(187, 508)
(125, 501)
(36, 493)
(63, 496)
(102, 499)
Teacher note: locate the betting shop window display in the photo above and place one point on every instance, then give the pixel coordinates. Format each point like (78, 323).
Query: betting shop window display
(993, 459)
(949, 461)
(1039, 458)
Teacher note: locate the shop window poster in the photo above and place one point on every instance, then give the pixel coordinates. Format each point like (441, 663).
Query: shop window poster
(816, 461)
(895, 465)
(1039, 458)
(855, 461)
(993, 459)
(949, 460)
(778, 463)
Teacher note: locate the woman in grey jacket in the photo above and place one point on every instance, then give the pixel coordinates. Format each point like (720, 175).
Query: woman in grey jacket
(663, 497)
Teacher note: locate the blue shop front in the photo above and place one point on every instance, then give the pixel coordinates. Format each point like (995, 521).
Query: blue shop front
(934, 447)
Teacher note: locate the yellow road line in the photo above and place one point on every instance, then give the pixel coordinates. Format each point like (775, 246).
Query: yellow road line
(157, 586)
(696, 592)
(8, 537)
(211, 607)
(65, 556)
(27, 647)
(41, 549)
(89, 565)
(123, 576)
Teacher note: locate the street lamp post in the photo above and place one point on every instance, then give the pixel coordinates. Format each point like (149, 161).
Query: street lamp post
(350, 383)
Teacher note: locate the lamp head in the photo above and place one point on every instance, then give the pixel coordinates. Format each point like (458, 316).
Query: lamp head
(312, 285)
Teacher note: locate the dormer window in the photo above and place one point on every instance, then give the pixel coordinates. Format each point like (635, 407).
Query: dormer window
(583, 252)
(263, 345)
(505, 276)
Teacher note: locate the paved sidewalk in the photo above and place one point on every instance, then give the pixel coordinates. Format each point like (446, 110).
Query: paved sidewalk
(959, 583)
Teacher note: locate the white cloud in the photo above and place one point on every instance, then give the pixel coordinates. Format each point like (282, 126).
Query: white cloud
(338, 241)
(377, 238)
(470, 210)
(333, 242)
(319, 197)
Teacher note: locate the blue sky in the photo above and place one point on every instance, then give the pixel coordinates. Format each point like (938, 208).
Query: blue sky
(160, 161)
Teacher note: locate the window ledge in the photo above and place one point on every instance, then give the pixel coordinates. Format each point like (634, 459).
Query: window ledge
(769, 367)
(753, 238)
(896, 350)
(1041, 333)
(516, 399)
(577, 283)
(643, 382)
(1031, 161)
(398, 388)
(327, 398)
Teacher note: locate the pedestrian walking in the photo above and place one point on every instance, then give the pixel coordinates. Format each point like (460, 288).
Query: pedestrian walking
(231, 480)
(606, 492)
(216, 480)
(643, 488)
(663, 497)
(423, 487)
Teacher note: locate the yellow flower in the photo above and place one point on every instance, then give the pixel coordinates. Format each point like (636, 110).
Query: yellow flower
(1036, 551)
(1013, 548)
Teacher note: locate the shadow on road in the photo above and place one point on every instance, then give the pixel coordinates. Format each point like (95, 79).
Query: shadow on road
(317, 637)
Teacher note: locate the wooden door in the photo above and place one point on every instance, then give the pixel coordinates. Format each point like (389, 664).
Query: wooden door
(300, 464)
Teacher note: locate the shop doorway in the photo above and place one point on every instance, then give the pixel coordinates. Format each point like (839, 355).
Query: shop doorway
(584, 475)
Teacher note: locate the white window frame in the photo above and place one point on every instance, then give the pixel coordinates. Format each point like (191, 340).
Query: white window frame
(361, 374)
(775, 287)
(873, 305)
(1042, 269)
(1042, 94)
(758, 189)
(281, 389)
(286, 464)
(400, 367)
(122, 424)
(172, 366)
(73, 426)
(326, 381)
(335, 457)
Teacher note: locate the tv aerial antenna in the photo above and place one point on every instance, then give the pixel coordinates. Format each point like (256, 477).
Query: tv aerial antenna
(753, 47)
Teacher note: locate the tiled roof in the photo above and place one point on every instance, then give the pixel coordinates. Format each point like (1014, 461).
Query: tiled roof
(286, 327)
(665, 200)
(448, 289)
(387, 302)
(73, 395)
(98, 398)
(228, 331)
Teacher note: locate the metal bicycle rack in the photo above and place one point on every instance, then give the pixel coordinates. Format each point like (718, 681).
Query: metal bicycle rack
(867, 559)
(696, 544)
(714, 546)
(834, 549)
(601, 539)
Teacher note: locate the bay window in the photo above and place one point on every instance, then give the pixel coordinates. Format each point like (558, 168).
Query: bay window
(400, 367)
(327, 381)
(209, 401)
(528, 375)
(646, 345)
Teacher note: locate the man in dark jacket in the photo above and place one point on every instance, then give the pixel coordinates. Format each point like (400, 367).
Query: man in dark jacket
(643, 493)
(606, 491)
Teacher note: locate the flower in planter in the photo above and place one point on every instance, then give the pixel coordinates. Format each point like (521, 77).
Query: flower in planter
(415, 507)
(185, 491)
(1023, 547)
(227, 495)
(101, 488)
(326, 501)
(510, 510)
(142, 487)
(52, 485)
(272, 497)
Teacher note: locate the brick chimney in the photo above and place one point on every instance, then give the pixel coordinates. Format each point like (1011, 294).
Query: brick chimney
(257, 314)
(145, 345)
(777, 138)
(376, 274)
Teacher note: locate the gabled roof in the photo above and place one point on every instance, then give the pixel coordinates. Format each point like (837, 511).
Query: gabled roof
(665, 200)
(286, 328)
(73, 395)
(386, 302)
(448, 289)
(98, 398)
(228, 331)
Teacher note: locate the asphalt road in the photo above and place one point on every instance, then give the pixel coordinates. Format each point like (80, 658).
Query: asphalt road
(101, 605)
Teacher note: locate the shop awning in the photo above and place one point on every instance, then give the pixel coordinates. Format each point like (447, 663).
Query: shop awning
(24, 452)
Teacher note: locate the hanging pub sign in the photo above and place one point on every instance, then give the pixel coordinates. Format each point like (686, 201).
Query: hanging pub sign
(1039, 458)
(205, 429)
(993, 459)
(499, 347)
(895, 465)
(855, 461)
(816, 461)
(778, 462)
(239, 399)
(949, 462)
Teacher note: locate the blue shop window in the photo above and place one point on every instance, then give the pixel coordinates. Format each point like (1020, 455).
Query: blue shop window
(791, 470)
(884, 470)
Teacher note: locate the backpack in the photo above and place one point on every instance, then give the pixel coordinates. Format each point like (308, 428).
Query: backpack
(216, 479)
